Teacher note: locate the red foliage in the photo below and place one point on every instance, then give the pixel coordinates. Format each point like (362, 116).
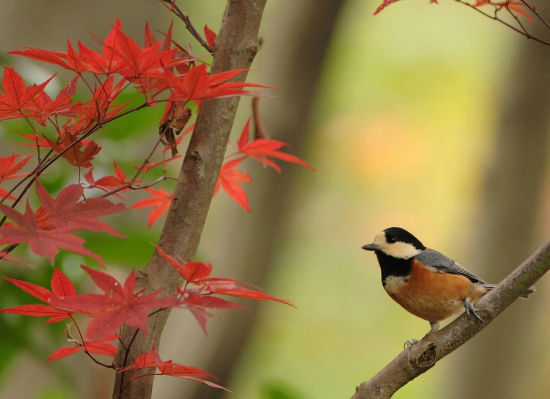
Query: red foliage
(517, 7)
(77, 153)
(117, 305)
(108, 183)
(43, 240)
(61, 287)
(261, 149)
(210, 36)
(67, 211)
(48, 230)
(197, 85)
(513, 6)
(160, 200)
(162, 71)
(199, 288)
(18, 99)
(8, 169)
(229, 179)
(149, 360)
(98, 347)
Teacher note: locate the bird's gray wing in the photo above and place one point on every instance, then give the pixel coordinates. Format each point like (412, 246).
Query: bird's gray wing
(443, 264)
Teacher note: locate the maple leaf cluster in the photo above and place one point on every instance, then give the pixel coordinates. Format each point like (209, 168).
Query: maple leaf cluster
(199, 290)
(159, 67)
(151, 360)
(120, 304)
(61, 127)
(260, 149)
(49, 228)
(8, 168)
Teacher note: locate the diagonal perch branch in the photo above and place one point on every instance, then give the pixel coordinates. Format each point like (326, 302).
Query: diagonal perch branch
(412, 362)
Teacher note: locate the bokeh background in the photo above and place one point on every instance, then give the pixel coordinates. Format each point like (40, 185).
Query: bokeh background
(427, 117)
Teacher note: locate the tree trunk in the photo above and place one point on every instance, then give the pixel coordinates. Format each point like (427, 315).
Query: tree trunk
(235, 48)
(245, 245)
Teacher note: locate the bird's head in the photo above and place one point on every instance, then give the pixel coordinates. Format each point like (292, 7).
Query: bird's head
(396, 242)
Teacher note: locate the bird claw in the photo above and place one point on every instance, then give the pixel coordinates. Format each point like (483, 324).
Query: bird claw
(470, 311)
(409, 343)
(434, 326)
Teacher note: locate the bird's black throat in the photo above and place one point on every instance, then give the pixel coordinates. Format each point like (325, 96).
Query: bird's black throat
(391, 266)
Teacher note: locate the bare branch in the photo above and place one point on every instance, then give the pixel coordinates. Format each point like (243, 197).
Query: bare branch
(423, 355)
(536, 13)
(520, 28)
(181, 15)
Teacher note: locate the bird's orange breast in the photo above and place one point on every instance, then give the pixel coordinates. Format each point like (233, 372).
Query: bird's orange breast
(430, 294)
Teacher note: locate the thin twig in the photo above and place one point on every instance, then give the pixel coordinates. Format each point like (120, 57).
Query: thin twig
(181, 15)
(536, 14)
(520, 24)
(514, 28)
(83, 343)
(126, 354)
(137, 187)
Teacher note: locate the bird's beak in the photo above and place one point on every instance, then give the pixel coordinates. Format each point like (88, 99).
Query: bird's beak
(371, 247)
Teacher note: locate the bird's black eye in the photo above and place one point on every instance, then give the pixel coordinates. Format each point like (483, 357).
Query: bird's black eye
(390, 239)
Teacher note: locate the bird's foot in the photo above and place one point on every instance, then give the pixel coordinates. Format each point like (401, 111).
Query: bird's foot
(470, 311)
(434, 327)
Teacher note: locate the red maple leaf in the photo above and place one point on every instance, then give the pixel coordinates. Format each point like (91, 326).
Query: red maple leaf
(260, 149)
(210, 36)
(160, 201)
(120, 54)
(34, 140)
(190, 271)
(229, 179)
(181, 57)
(66, 211)
(79, 154)
(48, 230)
(8, 170)
(149, 360)
(136, 62)
(116, 306)
(200, 297)
(100, 107)
(87, 61)
(42, 240)
(18, 98)
(45, 107)
(197, 84)
(513, 6)
(98, 347)
(61, 287)
(109, 183)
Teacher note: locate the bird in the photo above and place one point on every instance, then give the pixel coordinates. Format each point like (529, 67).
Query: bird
(424, 281)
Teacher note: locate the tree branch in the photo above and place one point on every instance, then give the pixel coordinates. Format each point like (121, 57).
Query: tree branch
(181, 15)
(520, 28)
(236, 46)
(423, 355)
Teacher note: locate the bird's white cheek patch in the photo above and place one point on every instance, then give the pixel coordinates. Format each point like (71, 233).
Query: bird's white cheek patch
(401, 250)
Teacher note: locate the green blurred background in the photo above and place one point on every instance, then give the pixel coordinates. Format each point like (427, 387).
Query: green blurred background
(427, 117)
